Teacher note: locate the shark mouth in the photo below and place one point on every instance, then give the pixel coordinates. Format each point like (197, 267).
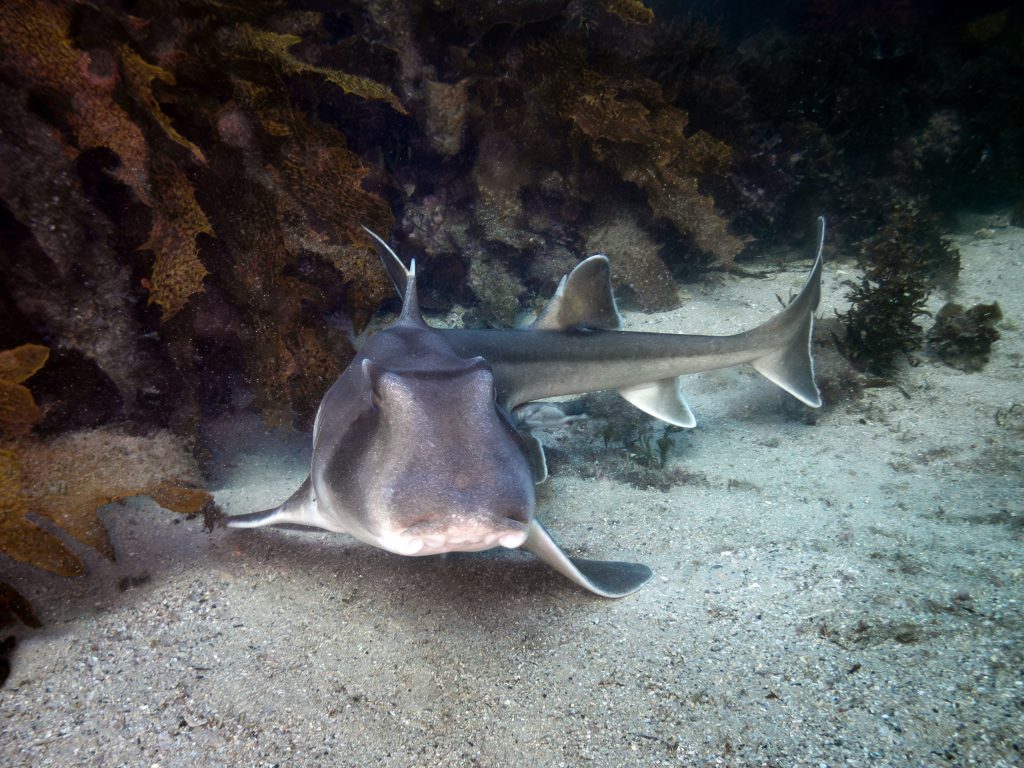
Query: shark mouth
(423, 540)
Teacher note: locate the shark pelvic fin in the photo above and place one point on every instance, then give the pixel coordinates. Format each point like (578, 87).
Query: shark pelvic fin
(791, 365)
(583, 300)
(662, 400)
(607, 578)
(300, 509)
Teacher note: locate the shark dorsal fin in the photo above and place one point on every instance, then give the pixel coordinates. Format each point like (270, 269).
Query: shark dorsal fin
(583, 300)
(404, 279)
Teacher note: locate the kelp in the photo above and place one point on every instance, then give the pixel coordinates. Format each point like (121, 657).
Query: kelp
(630, 10)
(66, 480)
(277, 48)
(18, 409)
(177, 271)
(139, 75)
(963, 338)
(630, 127)
(902, 262)
(35, 36)
(149, 102)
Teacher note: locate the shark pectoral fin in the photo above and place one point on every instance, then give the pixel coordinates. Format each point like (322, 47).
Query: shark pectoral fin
(583, 299)
(607, 578)
(300, 509)
(662, 400)
(535, 456)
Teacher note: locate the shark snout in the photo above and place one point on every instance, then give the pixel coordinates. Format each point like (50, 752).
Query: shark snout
(439, 536)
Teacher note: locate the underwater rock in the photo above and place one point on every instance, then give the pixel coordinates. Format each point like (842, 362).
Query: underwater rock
(963, 338)
(638, 266)
(438, 224)
(499, 176)
(1017, 214)
(445, 119)
(497, 289)
(60, 267)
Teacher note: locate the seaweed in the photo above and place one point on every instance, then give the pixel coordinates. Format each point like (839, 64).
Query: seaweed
(67, 479)
(639, 273)
(276, 48)
(629, 126)
(963, 338)
(85, 89)
(901, 264)
(18, 409)
(177, 271)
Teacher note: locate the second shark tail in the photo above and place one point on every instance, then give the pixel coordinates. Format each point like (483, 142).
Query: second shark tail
(789, 363)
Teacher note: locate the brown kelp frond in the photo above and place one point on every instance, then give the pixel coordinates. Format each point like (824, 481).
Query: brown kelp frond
(276, 48)
(630, 127)
(177, 270)
(139, 75)
(66, 480)
(630, 10)
(18, 409)
(35, 37)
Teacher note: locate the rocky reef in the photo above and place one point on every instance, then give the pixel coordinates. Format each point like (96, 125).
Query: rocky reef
(183, 185)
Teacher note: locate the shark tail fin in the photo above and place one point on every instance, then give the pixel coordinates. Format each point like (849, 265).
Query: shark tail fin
(789, 363)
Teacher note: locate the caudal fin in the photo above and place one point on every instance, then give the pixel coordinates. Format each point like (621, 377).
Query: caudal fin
(789, 363)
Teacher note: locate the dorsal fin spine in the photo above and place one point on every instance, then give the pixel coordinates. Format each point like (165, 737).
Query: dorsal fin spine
(411, 301)
(404, 279)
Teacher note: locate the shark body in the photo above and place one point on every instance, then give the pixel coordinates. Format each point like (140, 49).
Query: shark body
(416, 451)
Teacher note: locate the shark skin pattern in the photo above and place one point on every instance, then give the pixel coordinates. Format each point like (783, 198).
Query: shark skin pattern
(416, 451)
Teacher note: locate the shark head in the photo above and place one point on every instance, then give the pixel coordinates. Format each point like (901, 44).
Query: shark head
(450, 472)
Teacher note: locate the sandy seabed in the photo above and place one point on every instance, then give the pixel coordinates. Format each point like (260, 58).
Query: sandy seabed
(846, 593)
